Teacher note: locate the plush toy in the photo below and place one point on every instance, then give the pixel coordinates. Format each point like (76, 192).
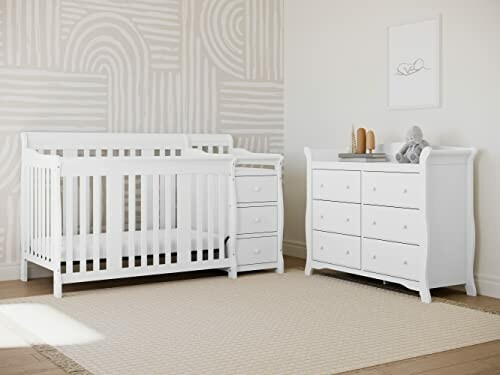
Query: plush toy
(411, 150)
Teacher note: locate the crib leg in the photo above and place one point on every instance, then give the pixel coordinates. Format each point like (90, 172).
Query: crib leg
(24, 270)
(57, 284)
(232, 273)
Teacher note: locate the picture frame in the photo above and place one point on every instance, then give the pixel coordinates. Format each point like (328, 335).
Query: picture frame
(414, 64)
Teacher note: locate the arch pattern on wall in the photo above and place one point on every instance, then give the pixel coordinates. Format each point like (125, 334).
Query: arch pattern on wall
(201, 66)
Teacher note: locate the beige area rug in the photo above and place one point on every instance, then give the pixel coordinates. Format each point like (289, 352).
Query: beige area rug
(261, 323)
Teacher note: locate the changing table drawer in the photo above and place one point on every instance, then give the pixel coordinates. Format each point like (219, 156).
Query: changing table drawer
(339, 186)
(337, 217)
(393, 224)
(392, 189)
(392, 259)
(257, 219)
(256, 189)
(337, 249)
(256, 250)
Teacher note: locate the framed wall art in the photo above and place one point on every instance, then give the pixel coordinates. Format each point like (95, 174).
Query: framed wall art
(414, 65)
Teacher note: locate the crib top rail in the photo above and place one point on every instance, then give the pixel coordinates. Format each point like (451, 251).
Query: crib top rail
(208, 142)
(192, 162)
(99, 141)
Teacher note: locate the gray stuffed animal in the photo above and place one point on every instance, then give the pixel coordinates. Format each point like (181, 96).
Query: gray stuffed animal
(411, 150)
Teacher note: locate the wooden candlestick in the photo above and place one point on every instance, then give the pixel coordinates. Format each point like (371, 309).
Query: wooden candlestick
(361, 141)
(370, 141)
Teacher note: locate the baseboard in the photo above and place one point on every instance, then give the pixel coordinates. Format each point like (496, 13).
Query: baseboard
(294, 249)
(12, 272)
(487, 285)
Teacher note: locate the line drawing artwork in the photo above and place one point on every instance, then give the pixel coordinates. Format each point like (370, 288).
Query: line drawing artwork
(408, 69)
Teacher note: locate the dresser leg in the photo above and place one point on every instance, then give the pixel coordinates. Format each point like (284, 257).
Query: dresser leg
(470, 289)
(425, 295)
(308, 271)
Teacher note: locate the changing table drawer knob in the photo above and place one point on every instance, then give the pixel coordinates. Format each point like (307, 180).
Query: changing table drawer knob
(256, 189)
(256, 251)
(256, 220)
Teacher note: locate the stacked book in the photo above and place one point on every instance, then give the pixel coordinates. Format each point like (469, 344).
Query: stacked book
(373, 157)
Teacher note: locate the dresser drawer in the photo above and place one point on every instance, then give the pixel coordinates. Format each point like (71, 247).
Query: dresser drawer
(336, 217)
(256, 250)
(392, 189)
(257, 219)
(393, 224)
(340, 186)
(393, 259)
(256, 189)
(337, 249)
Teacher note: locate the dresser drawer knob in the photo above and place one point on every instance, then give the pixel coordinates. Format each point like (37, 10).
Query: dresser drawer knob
(374, 257)
(322, 186)
(322, 247)
(348, 220)
(256, 189)
(374, 223)
(347, 187)
(256, 251)
(405, 191)
(374, 188)
(321, 217)
(256, 220)
(347, 252)
(405, 262)
(405, 226)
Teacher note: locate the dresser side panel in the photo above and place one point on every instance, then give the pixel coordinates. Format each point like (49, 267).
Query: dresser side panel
(447, 219)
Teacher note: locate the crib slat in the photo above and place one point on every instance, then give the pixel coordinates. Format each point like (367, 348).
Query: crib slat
(199, 218)
(35, 211)
(210, 216)
(221, 203)
(184, 231)
(144, 220)
(72, 153)
(114, 221)
(27, 211)
(83, 223)
(168, 219)
(43, 197)
(69, 223)
(48, 217)
(131, 220)
(96, 222)
(156, 219)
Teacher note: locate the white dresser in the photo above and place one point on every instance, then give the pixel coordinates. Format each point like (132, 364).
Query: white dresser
(259, 195)
(411, 224)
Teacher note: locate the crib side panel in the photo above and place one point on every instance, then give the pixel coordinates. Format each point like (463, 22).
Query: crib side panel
(181, 223)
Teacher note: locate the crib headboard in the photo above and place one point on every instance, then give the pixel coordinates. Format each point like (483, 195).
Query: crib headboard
(211, 143)
(105, 144)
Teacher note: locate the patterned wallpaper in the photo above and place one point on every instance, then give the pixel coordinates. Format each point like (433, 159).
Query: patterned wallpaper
(136, 66)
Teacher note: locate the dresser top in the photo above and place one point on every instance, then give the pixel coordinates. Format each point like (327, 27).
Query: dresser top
(327, 158)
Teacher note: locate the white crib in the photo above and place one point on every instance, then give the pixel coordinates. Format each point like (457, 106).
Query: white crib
(101, 206)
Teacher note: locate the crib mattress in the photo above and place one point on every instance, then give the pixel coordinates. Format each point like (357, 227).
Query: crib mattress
(77, 239)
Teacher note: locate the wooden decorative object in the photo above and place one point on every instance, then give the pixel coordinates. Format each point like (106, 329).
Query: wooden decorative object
(353, 141)
(370, 141)
(361, 141)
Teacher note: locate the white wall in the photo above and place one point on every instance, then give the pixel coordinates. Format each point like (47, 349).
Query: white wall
(335, 75)
(135, 66)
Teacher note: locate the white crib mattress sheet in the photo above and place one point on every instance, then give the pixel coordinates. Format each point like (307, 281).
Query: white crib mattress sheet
(102, 238)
